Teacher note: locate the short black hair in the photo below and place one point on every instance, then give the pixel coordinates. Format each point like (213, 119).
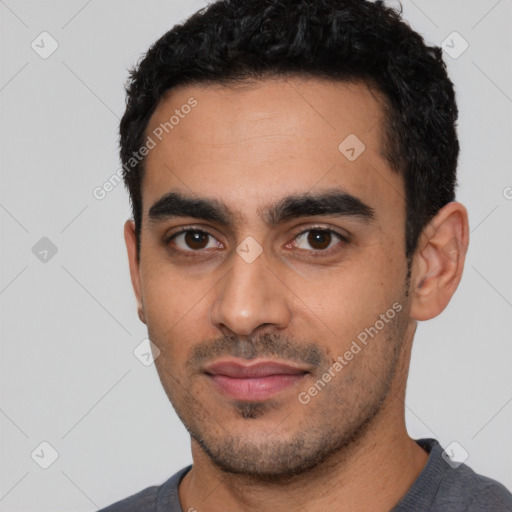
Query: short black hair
(339, 40)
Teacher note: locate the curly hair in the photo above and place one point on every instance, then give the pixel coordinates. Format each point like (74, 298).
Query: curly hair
(342, 40)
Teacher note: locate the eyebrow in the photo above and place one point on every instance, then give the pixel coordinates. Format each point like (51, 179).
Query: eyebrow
(333, 202)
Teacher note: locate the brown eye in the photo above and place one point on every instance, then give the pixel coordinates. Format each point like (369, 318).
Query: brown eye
(318, 240)
(196, 239)
(192, 240)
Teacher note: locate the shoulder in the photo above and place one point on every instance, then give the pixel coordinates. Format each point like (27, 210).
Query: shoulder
(444, 484)
(476, 492)
(461, 488)
(149, 499)
(143, 501)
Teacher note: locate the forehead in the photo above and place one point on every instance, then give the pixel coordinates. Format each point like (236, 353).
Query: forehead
(252, 143)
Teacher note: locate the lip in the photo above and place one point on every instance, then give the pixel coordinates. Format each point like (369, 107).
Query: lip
(256, 381)
(262, 368)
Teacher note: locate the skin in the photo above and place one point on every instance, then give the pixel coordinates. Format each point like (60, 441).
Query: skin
(248, 146)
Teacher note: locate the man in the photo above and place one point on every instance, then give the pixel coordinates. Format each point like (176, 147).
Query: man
(291, 167)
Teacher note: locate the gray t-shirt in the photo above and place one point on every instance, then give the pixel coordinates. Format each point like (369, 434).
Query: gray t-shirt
(438, 488)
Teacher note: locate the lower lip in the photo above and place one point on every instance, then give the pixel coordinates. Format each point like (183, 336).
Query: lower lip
(259, 388)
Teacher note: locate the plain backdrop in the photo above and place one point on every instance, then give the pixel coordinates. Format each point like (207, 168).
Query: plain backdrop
(68, 374)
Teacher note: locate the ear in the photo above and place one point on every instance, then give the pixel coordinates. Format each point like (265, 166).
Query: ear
(439, 261)
(131, 247)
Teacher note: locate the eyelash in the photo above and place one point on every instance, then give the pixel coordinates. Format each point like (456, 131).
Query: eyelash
(316, 252)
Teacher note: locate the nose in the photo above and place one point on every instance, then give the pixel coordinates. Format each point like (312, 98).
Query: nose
(250, 296)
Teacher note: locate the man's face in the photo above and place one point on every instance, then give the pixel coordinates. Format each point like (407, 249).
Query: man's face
(216, 307)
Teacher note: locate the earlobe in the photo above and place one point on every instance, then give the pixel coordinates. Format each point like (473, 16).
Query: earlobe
(140, 311)
(131, 247)
(439, 261)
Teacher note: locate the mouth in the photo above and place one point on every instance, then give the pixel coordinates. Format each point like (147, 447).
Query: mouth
(256, 381)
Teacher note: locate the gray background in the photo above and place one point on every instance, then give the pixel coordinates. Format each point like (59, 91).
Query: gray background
(68, 375)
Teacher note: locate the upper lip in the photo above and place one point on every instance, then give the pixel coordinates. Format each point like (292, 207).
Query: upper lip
(243, 370)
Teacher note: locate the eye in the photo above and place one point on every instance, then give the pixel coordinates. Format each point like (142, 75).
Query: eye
(320, 239)
(192, 240)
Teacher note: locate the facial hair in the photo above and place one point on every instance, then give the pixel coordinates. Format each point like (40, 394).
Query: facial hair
(331, 425)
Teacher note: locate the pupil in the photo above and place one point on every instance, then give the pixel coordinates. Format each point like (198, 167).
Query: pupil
(319, 237)
(195, 239)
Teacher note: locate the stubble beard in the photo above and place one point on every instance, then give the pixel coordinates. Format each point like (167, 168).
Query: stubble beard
(326, 434)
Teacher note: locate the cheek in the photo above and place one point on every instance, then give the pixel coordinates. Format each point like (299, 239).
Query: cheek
(175, 308)
(354, 298)
(164, 298)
